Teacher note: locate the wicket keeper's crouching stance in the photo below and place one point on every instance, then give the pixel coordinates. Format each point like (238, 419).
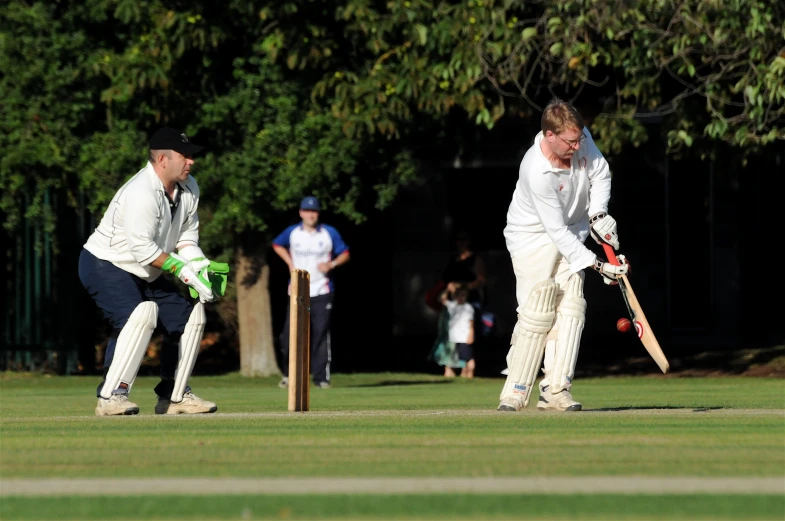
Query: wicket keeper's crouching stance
(562, 192)
(151, 216)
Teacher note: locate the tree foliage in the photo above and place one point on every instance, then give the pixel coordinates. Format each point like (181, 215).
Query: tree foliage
(342, 98)
(709, 70)
(305, 92)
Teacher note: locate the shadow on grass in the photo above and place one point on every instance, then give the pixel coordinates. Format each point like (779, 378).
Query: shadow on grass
(653, 408)
(390, 383)
(765, 362)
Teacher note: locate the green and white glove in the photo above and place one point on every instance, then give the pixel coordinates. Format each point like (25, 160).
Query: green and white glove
(217, 274)
(193, 273)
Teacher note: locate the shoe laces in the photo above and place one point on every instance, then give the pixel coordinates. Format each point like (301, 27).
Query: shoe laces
(191, 397)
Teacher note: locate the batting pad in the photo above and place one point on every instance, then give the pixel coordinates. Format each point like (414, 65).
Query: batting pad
(189, 349)
(131, 347)
(572, 317)
(525, 355)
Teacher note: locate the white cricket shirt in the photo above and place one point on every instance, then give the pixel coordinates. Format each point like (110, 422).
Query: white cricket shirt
(308, 249)
(553, 205)
(139, 224)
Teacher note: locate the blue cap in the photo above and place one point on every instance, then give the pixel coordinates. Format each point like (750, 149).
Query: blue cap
(310, 203)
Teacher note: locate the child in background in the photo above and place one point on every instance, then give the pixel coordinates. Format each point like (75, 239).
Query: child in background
(461, 326)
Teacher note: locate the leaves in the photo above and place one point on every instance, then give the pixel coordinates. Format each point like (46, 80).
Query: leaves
(300, 96)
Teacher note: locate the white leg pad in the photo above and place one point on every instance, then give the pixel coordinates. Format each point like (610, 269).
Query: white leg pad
(570, 322)
(525, 355)
(130, 348)
(189, 350)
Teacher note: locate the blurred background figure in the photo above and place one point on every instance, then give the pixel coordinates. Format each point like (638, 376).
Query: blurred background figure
(454, 348)
(467, 268)
(318, 249)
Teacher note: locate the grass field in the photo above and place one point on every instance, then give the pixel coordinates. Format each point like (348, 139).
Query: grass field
(423, 448)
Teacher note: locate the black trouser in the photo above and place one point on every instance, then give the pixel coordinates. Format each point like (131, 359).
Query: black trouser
(321, 312)
(117, 293)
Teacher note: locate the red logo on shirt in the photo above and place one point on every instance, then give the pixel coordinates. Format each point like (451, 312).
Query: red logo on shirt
(561, 186)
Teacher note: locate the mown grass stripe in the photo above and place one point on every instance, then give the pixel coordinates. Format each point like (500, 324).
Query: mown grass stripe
(393, 486)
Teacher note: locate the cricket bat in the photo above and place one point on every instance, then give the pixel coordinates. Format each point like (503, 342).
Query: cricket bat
(638, 318)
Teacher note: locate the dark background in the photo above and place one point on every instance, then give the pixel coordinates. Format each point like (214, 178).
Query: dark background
(701, 235)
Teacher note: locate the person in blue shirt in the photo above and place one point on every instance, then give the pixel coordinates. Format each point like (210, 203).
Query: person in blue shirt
(318, 249)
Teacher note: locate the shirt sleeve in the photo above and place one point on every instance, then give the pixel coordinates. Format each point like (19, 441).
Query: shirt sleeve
(141, 215)
(546, 203)
(283, 238)
(599, 177)
(189, 234)
(338, 245)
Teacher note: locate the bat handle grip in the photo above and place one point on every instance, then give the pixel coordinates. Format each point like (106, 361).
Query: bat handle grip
(610, 254)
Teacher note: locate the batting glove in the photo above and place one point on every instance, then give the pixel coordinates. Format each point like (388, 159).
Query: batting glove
(603, 229)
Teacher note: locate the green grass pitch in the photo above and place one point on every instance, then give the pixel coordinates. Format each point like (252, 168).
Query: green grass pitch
(396, 432)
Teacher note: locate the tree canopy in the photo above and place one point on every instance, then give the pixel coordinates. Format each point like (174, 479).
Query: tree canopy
(306, 94)
(342, 99)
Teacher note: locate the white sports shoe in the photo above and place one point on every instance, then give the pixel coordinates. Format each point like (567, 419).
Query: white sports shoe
(284, 383)
(191, 404)
(116, 405)
(557, 402)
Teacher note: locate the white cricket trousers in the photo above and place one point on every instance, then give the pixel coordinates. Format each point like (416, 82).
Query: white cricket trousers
(530, 268)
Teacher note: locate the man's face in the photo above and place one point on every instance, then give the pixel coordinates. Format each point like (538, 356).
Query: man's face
(566, 143)
(309, 217)
(181, 165)
(177, 166)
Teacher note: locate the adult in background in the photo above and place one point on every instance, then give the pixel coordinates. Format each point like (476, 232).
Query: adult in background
(151, 226)
(318, 249)
(561, 196)
(466, 268)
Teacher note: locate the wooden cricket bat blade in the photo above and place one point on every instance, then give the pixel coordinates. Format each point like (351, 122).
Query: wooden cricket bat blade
(643, 329)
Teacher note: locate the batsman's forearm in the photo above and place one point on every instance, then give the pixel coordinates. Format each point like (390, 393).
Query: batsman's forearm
(159, 261)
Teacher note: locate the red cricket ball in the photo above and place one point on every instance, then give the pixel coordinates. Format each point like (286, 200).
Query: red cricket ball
(623, 324)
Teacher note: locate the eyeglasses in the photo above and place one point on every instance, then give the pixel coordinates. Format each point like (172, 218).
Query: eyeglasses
(571, 143)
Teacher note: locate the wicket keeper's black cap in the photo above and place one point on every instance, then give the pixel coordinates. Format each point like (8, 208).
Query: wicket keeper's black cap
(171, 139)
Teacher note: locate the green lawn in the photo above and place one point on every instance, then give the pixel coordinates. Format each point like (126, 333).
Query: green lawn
(397, 425)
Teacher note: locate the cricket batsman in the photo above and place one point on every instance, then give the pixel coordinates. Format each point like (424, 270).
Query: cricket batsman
(561, 196)
(151, 226)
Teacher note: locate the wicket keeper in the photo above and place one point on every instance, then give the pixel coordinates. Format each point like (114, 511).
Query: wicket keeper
(151, 226)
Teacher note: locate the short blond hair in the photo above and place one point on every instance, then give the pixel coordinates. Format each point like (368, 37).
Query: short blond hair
(559, 116)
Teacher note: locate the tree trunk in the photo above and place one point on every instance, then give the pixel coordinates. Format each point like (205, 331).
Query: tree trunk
(254, 317)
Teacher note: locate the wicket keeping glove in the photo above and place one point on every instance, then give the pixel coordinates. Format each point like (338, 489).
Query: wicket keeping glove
(193, 273)
(217, 274)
